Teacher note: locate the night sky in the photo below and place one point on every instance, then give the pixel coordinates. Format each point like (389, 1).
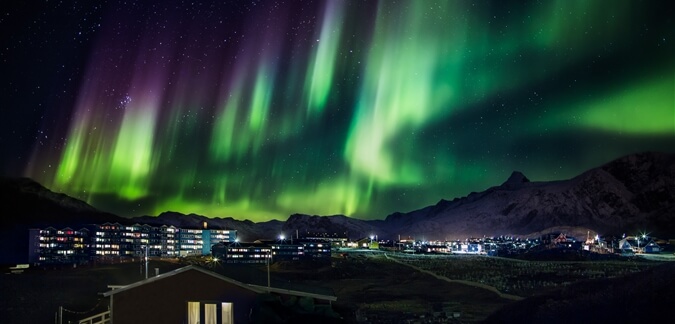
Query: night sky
(260, 109)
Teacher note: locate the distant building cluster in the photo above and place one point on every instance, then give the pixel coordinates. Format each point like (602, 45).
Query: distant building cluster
(113, 242)
(272, 251)
(505, 246)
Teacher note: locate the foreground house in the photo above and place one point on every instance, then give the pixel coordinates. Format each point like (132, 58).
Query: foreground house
(195, 295)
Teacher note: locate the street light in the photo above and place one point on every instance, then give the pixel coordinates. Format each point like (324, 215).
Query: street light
(268, 267)
(146, 259)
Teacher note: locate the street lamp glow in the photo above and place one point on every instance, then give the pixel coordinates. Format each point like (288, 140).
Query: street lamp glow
(282, 237)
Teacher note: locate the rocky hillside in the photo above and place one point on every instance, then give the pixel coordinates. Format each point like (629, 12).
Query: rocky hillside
(26, 202)
(338, 224)
(630, 194)
(247, 231)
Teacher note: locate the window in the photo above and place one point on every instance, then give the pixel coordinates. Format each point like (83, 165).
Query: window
(209, 312)
(193, 313)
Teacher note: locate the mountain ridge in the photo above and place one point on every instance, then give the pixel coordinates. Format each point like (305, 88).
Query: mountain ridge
(633, 193)
(597, 199)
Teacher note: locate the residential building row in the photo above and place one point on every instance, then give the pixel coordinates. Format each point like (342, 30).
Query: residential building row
(111, 241)
(273, 251)
(507, 245)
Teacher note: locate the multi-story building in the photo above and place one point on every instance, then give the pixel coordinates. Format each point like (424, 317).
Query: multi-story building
(167, 240)
(272, 251)
(190, 242)
(243, 253)
(316, 249)
(52, 246)
(106, 240)
(214, 236)
(287, 252)
(112, 241)
(335, 240)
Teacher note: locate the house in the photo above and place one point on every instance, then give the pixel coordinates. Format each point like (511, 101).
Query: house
(366, 243)
(560, 241)
(639, 245)
(626, 247)
(195, 295)
(651, 247)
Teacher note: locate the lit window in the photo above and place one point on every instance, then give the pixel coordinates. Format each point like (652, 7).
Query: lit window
(209, 313)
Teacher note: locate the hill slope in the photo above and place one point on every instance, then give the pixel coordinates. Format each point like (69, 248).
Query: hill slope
(635, 192)
(639, 297)
(26, 204)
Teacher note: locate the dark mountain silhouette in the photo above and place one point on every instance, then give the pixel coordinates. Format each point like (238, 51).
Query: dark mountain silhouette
(633, 193)
(630, 194)
(339, 225)
(247, 230)
(27, 204)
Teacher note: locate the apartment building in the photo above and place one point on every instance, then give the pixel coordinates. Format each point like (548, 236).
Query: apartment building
(114, 241)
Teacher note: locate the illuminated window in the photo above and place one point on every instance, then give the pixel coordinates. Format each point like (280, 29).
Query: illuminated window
(209, 313)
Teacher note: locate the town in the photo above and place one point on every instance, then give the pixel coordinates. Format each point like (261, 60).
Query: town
(329, 271)
(113, 242)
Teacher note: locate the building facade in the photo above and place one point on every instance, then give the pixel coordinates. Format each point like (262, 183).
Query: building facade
(262, 252)
(113, 241)
(52, 245)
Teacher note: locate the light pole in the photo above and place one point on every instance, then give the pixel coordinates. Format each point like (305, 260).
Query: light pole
(146, 260)
(644, 237)
(268, 267)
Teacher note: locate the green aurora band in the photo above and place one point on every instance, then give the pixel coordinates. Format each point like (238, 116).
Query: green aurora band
(364, 110)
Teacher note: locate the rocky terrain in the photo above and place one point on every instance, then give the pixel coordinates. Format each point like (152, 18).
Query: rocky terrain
(630, 194)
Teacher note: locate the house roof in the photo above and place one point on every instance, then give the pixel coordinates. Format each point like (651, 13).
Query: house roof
(254, 288)
(641, 243)
(173, 273)
(295, 293)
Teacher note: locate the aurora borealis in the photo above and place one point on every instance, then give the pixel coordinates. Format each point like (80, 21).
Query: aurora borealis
(260, 109)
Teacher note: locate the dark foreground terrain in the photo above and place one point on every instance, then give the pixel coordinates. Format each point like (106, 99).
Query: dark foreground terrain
(371, 288)
(644, 297)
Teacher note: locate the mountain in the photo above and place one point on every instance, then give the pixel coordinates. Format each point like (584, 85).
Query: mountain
(339, 225)
(26, 204)
(247, 230)
(633, 193)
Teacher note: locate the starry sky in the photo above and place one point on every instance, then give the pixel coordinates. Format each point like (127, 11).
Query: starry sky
(260, 109)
